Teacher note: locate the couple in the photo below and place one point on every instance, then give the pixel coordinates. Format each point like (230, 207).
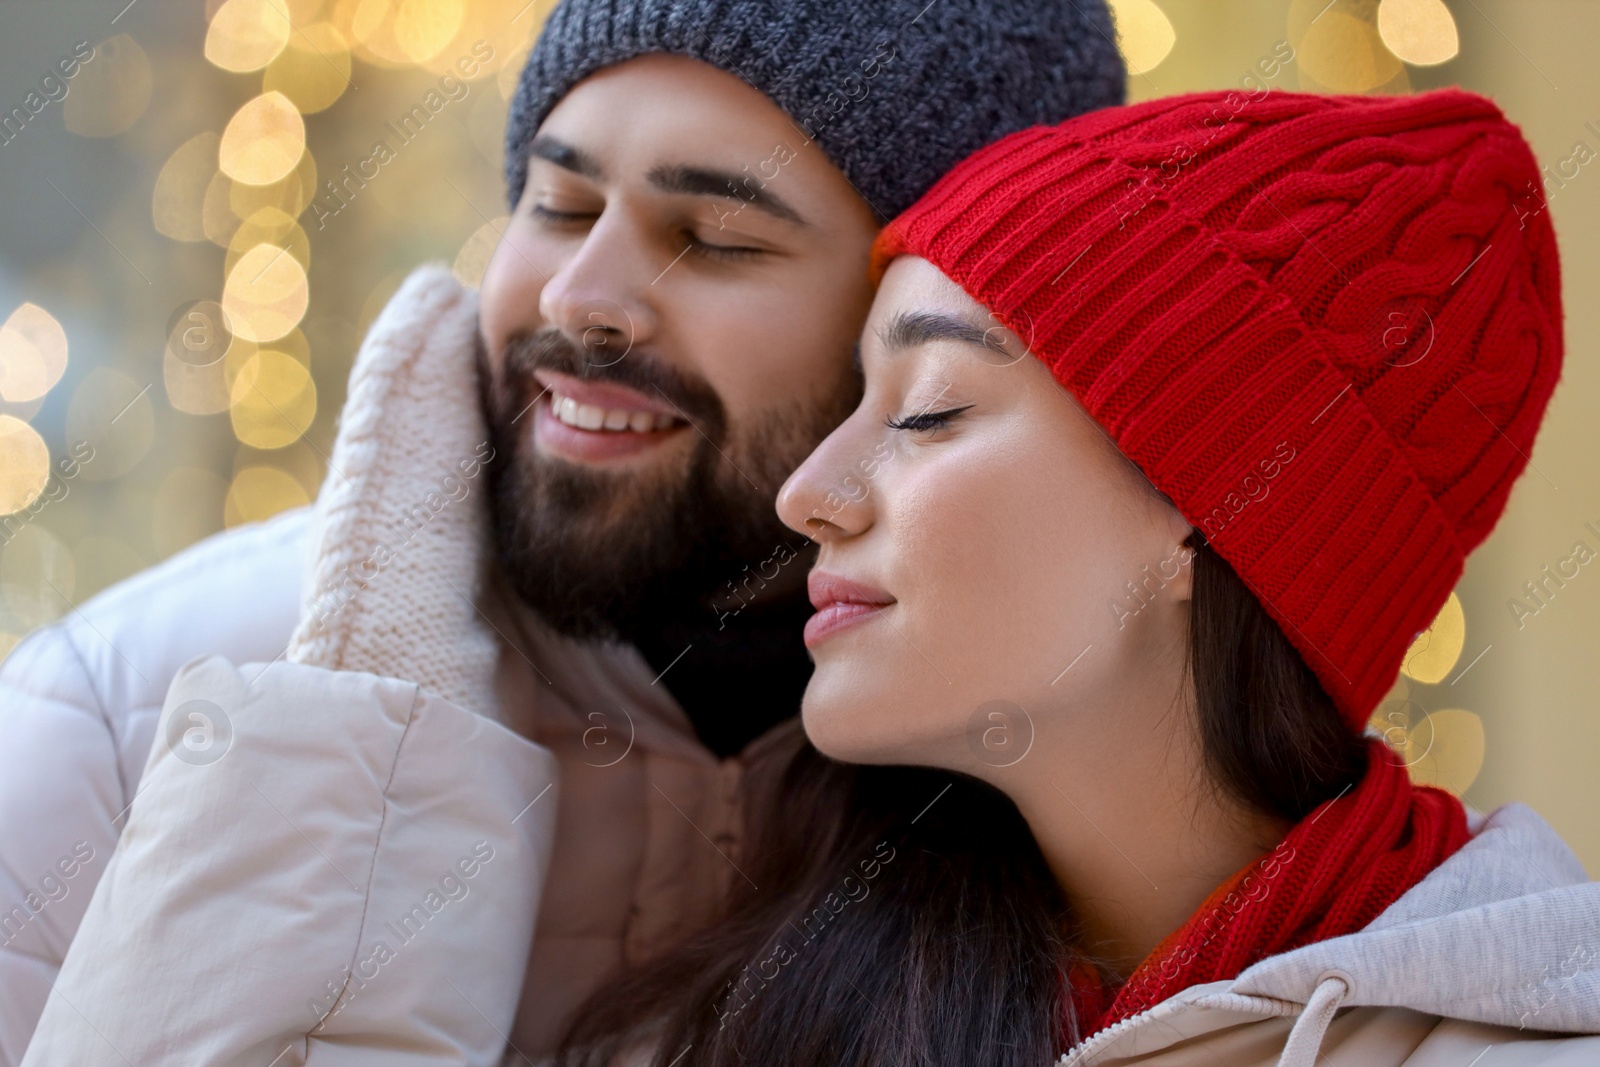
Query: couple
(1113, 533)
(1102, 784)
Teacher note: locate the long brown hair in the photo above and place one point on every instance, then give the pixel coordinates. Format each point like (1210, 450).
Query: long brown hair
(907, 916)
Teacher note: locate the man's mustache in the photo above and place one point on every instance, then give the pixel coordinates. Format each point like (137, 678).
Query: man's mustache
(550, 349)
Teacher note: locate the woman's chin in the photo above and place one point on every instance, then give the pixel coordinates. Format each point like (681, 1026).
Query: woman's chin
(851, 731)
(865, 724)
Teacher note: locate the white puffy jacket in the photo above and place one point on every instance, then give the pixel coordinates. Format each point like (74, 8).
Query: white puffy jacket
(79, 702)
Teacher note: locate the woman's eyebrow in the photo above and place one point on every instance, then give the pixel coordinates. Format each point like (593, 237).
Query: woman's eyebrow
(908, 329)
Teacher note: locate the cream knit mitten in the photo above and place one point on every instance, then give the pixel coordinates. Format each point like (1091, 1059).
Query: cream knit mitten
(400, 528)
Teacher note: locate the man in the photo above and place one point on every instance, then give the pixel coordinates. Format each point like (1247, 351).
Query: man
(663, 334)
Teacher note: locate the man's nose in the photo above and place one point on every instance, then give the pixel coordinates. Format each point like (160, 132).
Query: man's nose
(601, 296)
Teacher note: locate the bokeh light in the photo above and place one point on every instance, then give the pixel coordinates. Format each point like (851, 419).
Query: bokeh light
(422, 28)
(1435, 651)
(270, 226)
(1338, 48)
(289, 194)
(404, 32)
(177, 204)
(273, 400)
(260, 492)
(313, 71)
(33, 354)
(264, 140)
(218, 220)
(194, 389)
(1144, 34)
(24, 464)
(1454, 754)
(246, 35)
(1420, 32)
(266, 293)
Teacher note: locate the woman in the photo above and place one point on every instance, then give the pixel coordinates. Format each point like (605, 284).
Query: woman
(1179, 420)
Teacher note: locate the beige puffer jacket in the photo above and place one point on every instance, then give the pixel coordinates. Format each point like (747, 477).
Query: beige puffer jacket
(1491, 960)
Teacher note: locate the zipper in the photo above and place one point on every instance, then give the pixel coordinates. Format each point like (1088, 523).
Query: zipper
(1095, 1042)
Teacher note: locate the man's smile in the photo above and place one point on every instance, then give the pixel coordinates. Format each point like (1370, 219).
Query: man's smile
(591, 422)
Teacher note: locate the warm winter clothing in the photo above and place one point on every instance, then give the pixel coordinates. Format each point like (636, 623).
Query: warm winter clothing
(1326, 327)
(1334, 873)
(1493, 959)
(343, 797)
(894, 91)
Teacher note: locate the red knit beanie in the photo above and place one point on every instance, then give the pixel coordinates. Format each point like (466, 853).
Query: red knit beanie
(1325, 326)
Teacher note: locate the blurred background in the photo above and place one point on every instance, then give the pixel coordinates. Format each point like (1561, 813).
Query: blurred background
(199, 224)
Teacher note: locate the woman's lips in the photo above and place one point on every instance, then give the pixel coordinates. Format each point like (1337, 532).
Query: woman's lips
(835, 617)
(840, 602)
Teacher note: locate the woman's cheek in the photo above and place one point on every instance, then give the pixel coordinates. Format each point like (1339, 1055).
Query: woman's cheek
(963, 560)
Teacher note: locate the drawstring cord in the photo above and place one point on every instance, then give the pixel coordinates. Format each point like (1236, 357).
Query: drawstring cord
(1305, 1040)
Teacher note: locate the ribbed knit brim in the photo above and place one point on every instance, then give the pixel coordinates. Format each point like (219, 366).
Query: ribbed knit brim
(1367, 286)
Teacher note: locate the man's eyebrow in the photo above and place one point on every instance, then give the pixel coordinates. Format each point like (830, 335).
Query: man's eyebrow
(565, 156)
(908, 329)
(708, 181)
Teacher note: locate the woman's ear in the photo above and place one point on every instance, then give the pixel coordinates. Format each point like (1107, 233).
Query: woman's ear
(1185, 540)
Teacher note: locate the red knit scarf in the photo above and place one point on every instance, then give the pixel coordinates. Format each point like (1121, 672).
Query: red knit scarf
(1333, 874)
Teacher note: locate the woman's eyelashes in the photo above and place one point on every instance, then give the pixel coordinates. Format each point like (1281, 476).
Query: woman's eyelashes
(925, 422)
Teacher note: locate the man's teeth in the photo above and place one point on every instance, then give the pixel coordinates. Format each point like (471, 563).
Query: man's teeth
(589, 417)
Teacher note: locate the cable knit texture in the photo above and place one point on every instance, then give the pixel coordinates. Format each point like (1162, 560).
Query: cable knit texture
(1326, 327)
(894, 91)
(400, 528)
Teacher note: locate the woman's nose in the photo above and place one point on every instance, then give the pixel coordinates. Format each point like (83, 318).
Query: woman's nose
(830, 496)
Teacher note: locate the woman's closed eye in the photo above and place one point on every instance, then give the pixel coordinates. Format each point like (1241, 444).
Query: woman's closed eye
(925, 422)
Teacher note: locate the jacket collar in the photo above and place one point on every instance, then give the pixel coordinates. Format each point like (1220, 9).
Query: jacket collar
(1506, 931)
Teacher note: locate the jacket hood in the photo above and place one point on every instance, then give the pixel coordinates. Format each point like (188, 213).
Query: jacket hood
(1506, 931)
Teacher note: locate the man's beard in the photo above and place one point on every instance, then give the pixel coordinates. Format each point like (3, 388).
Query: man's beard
(612, 555)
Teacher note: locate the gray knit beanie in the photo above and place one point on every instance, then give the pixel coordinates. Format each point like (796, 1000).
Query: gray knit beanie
(896, 92)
